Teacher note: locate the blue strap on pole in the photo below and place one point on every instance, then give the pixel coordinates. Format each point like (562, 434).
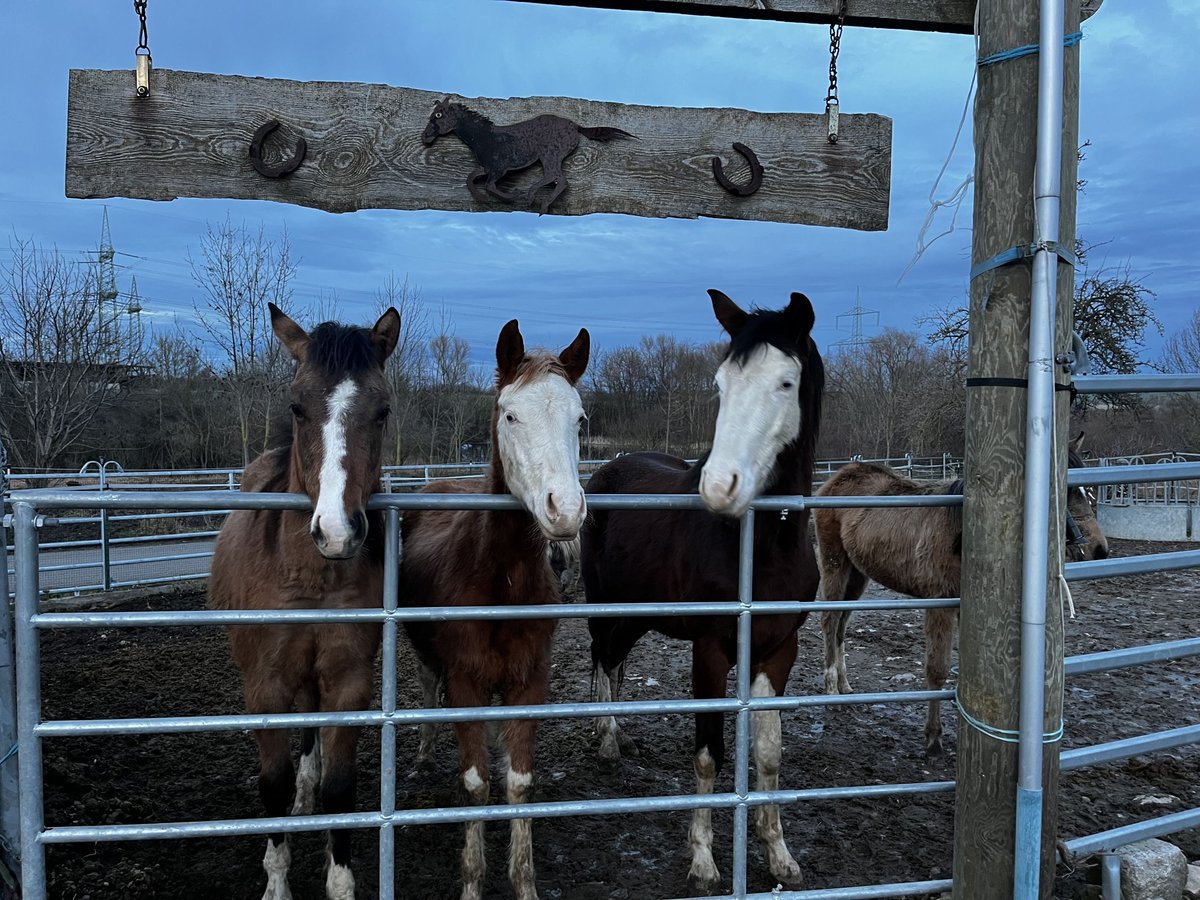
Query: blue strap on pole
(12, 751)
(1023, 251)
(1006, 735)
(1069, 40)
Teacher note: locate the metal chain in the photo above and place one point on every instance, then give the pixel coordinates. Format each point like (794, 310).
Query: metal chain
(835, 47)
(139, 6)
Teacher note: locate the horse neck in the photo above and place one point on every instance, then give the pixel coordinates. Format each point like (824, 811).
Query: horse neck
(472, 127)
(792, 477)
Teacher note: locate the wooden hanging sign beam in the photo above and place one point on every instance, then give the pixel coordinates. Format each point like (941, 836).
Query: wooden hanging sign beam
(951, 16)
(364, 149)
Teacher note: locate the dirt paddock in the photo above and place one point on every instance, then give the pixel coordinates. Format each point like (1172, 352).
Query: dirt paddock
(175, 671)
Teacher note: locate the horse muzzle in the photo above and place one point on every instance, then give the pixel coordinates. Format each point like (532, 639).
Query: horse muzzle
(429, 135)
(726, 493)
(339, 539)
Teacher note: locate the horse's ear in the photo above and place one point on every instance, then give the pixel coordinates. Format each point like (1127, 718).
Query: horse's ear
(291, 335)
(800, 315)
(575, 357)
(1077, 444)
(731, 316)
(510, 350)
(385, 334)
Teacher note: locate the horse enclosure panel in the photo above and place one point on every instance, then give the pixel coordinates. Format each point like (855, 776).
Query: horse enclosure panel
(951, 16)
(191, 138)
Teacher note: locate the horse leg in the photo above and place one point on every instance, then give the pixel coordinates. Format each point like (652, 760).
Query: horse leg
(552, 174)
(767, 731)
(276, 776)
(464, 690)
(611, 642)
(308, 774)
(519, 739)
(835, 575)
(710, 669)
(856, 583)
(473, 180)
(345, 684)
(939, 635)
(431, 687)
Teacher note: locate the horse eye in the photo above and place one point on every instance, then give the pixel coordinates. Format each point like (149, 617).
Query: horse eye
(437, 115)
(510, 417)
(297, 411)
(788, 385)
(383, 414)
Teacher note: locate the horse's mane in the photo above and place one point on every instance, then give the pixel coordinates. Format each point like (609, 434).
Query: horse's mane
(473, 117)
(535, 364)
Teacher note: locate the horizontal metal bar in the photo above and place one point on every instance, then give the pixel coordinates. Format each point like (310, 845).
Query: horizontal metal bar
(1132, 565)
(1127, 747)
(1181, 471)
(1135, 384)
(1116, 838)
(1106, 660)
(59, 499)
(190, 617)
(867, 892)
(450, 815)
(140, 539)
(577, 710)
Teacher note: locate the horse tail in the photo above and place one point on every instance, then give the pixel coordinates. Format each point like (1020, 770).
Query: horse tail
(603, 134)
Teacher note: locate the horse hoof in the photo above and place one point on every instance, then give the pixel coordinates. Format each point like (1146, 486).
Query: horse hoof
(792, 879)
(934, 749)
(628, 746)
(703, 885)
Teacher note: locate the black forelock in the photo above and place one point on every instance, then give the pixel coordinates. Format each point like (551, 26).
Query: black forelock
(342, 349)
(766, 326)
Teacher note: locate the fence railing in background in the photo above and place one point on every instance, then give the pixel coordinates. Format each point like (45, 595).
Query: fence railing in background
(1181, 489)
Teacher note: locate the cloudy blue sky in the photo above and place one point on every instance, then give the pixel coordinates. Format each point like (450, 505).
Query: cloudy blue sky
(619, 276)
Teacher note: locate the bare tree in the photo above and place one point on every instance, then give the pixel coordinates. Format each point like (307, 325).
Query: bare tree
(406, 367)
(238, 272)
(1182, 354)
(65, 355)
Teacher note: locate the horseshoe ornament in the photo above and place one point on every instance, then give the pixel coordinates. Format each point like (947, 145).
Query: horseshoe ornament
(756, 173)
(284, 168)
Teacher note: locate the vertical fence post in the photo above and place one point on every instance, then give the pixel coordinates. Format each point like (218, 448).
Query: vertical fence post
(387, 738)
(741, 769)
(29, 704)
(105, 559)
(10, 821)
(994, 495)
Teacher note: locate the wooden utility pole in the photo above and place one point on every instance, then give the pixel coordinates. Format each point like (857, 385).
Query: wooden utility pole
(989, 644)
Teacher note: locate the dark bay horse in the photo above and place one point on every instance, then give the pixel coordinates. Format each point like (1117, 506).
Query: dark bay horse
(502, 149)
(771, 383)
(916, 551)
(492, 558)
(331, 558)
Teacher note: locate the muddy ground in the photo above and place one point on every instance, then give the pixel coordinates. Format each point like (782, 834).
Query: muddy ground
(173, 671)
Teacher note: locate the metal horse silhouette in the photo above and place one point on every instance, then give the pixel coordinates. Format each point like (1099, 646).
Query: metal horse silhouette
(502, 149)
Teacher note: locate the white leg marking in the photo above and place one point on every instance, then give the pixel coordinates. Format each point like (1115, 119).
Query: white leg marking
(330, 511)
(703, 874)
(474, 865)
(606, 726)
(308, 778)
(276, 862)
(339, 882)
(520, 847)
(768, 748)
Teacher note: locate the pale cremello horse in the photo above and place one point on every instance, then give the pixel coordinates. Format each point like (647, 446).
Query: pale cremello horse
(330, 558)
(497, 558)
(916, 551)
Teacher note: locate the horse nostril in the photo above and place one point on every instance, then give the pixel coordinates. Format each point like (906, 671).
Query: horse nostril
(733, 482)
(551, 507)
(1101, 552)
(358, 526)
(317, 535)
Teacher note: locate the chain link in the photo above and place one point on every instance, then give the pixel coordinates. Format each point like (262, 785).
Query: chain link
(139, 6)
(835, 47)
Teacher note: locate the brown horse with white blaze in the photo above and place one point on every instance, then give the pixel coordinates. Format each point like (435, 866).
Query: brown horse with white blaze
(331, 558)
(771, 383)
(495, 558)
(916, 551)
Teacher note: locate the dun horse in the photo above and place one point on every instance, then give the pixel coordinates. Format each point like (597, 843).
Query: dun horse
(770, 384)
(331, 558)
(916, 551)
(492, 558)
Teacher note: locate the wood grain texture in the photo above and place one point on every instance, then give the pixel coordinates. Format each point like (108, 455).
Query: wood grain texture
(951, 16)
(989, 642)
(191, 136)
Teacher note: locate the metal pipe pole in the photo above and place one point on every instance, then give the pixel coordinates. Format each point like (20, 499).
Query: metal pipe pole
(10, 822)
(1039, 447)
(29, 703)
(387, 737)
(741, 770)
